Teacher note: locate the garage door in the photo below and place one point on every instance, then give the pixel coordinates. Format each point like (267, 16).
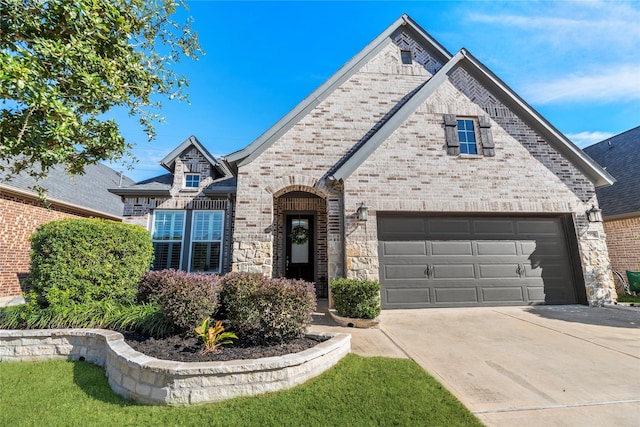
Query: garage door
(447, 262)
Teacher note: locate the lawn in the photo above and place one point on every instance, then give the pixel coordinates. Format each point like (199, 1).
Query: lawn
(357, 392)
(629, 298)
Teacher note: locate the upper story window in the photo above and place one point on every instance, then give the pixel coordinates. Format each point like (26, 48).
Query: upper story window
(406, 57)
(467, 137)
(192, 180)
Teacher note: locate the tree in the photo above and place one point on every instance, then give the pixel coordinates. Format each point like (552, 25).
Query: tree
(64, 63)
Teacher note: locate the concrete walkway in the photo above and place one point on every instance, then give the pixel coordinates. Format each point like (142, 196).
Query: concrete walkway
(524, 366)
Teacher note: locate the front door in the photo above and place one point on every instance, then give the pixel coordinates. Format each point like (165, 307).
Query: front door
(299, 257)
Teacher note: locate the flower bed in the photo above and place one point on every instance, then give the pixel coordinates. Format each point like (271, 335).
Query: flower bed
(136, 376)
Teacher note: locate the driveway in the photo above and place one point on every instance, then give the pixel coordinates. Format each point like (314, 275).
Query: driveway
(530, 366)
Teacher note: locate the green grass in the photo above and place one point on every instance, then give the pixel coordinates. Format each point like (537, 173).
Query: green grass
(629, 298)
(357, 392)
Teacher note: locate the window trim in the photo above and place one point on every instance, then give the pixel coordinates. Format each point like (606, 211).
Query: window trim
(182, 240)
(187, 187)
(475, 134)
(192, 241)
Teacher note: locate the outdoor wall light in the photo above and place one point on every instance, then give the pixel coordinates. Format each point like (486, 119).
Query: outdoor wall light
(363, 212)
(594, 214)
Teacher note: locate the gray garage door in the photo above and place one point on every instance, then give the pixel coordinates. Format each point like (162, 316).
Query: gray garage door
(446, 262)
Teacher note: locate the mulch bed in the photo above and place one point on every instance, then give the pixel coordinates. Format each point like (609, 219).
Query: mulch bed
(186, 348)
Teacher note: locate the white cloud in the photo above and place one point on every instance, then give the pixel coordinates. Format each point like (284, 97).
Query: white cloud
(603, 85)
(584, 139)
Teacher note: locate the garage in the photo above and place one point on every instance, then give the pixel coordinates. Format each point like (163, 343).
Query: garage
(428, 261)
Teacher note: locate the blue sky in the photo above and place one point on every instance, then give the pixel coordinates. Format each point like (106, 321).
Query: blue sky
(577, 63)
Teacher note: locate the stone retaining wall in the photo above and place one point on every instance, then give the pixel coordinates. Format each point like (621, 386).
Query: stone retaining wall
(136, 376)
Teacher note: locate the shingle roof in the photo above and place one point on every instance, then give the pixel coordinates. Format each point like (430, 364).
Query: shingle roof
(620, 156)
(89, 190)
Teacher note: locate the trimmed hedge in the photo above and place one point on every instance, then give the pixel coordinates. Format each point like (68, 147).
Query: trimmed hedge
(186, 299)
(267, 311)
(358, 299)
(76, 261)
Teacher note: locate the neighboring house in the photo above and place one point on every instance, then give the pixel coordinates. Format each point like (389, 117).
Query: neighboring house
(409, 165)
(620, 203)
(21, 212)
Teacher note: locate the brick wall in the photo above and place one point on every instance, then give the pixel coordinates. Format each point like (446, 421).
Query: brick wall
(19, 218)
(623, 240)
(411, 170)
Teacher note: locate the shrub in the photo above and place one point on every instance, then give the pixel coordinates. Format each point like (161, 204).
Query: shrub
(75, 261)
(185, 298)
(267, 311)
(359, 299)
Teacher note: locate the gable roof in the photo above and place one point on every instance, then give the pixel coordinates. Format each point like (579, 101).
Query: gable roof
(463, 58)
(170, 159)
(87, 192)
(620, 156)
(265, 140)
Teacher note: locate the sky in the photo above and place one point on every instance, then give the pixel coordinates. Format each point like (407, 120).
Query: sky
(576, 63)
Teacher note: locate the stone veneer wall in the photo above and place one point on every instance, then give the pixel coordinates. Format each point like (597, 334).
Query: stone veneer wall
(136, 376)
(623, 240)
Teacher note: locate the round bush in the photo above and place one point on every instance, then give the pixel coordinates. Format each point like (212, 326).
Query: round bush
(358, 299)
(186, 299)
(267, 311)
(85, 260)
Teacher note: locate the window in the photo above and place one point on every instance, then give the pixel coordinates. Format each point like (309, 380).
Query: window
(467, 137)
(168, 230)
(192, 180)
(206, 241)
(406, 57)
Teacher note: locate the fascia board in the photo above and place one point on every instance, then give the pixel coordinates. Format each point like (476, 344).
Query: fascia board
(579, 158)
(258, 146)
(139, 192)
(396, 120)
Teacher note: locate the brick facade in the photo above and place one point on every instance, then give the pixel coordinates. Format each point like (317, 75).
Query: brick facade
(20, 216)
(623, 239)
(410, 171)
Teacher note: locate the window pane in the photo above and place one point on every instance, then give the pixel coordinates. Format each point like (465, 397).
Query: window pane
(300, 252)
(192, 181)
(205, 257)
(166, 255)
(168, 225)
(207, 225)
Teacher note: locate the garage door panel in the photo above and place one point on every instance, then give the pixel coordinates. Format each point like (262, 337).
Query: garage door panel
(493, 227)
(394, 272)
(456, 295)
(407, 296)
(451, 248)
(453, 271)
(404, 248)
(548, 227)
(503, 294)
(397, 226)
(499, 271)
(448, 227)
(497, 248)
(475, 261)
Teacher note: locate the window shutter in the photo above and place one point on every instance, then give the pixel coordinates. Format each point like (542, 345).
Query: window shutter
(488, 148)
(451, 134)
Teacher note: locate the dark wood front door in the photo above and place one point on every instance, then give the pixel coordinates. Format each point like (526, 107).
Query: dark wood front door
(300, 256)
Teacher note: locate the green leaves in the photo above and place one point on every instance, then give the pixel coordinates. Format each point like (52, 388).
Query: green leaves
(64, 63)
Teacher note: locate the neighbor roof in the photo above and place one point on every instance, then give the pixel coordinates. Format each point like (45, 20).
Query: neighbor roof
(88, 191)
(620, 156)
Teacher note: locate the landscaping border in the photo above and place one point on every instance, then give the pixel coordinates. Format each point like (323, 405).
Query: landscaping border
(146, 379)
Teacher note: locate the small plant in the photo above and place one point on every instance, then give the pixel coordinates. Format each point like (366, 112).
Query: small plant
(358, 299)
(213, 336)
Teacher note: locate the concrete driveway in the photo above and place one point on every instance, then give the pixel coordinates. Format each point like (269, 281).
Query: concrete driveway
(530, 366)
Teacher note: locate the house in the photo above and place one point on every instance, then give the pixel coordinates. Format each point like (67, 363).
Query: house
(22, 211)
(620, 203)
(410, 165)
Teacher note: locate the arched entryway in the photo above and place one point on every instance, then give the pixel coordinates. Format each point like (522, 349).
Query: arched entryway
(300, 246)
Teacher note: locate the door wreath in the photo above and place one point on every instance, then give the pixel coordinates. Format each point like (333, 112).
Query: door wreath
(299, 235)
